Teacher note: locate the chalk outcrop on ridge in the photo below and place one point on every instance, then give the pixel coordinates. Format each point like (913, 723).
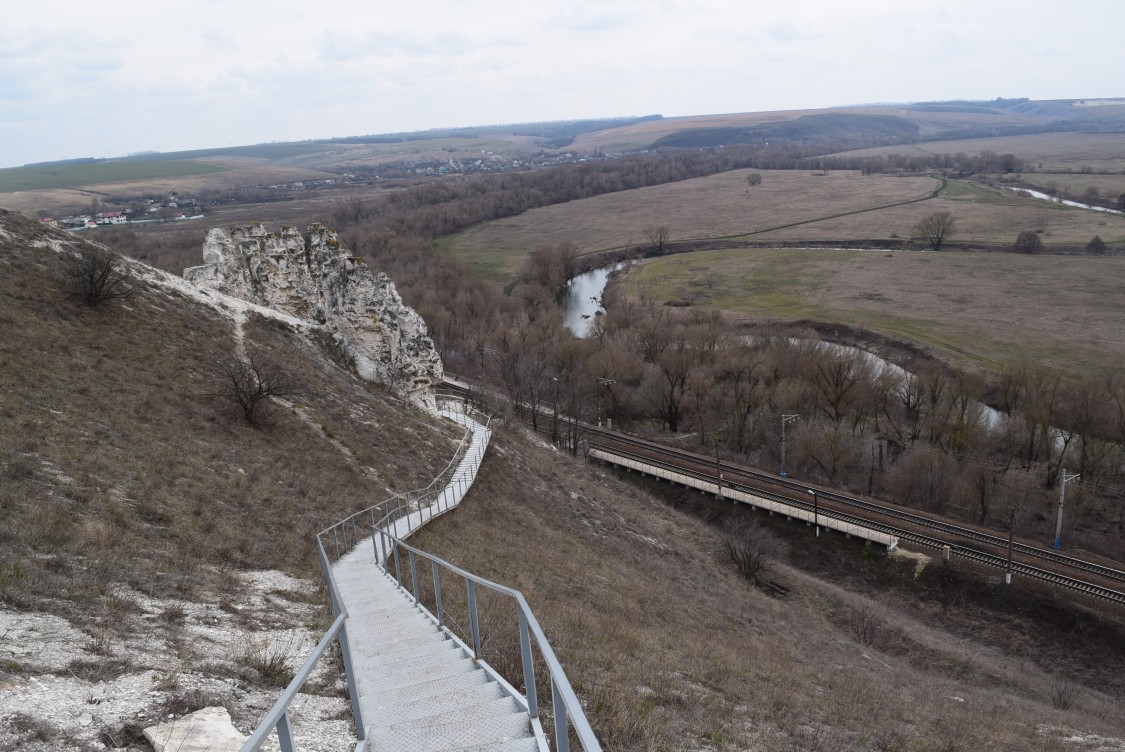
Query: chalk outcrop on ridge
(314, 277)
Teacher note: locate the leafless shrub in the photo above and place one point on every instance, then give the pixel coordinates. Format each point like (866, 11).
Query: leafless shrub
(94, 275)
(866, 627)
(193, 700)
(270, 660)
(174, 613)
(32, 729)
(750, 546)
(1063, 693)
(251, 383)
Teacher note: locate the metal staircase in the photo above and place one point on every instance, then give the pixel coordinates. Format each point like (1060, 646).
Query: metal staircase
(415, 684)
(419, 690)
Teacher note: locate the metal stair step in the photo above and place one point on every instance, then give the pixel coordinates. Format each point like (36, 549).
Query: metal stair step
(526, 744)
(447, 653)
(464, 728)
(371, 654)
(388, 715)
(375, 683)
(428, 686)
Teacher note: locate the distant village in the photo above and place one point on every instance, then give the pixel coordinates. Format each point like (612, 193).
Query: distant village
(148, 212)
(178, 208)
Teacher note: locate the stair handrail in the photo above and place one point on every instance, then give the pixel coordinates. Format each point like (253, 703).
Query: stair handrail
(567, 710)
(348, 532)
(278, 717)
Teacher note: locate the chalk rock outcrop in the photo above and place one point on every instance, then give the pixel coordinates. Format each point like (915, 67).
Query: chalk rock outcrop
(314, 277)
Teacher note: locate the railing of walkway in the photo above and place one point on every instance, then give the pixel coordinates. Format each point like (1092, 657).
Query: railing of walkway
(567, 714)
(278, 717)
(402, 504)
(431, 501)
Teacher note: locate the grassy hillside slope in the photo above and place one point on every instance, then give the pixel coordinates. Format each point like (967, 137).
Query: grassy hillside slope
(122, 461)
(119, 466)
(670, 649)
(974, 308)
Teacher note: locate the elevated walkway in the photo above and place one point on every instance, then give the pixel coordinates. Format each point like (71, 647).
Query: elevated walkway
(414, 684)
(709, 485)
(420, 689)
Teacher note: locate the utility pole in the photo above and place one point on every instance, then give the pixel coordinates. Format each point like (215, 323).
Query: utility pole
(784, 420)
(1011, 534)
(1063, 480)
(815, 512)
(608, 384)
(555, 421)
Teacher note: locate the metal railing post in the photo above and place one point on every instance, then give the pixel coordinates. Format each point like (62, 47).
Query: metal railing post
(349, 673)
(285, 734)
(474, 623)
(374, 544)
(383, 543)
(528, 666)
(398, 567)
(413, 574)
(336, 540)
(437, 595)
(324, 565)
(562, 735)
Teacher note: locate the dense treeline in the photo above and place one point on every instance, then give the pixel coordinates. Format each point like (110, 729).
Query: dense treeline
(924, 439)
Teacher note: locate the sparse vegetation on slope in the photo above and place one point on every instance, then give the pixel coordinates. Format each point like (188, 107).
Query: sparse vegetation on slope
(672, 649)
(117, 466)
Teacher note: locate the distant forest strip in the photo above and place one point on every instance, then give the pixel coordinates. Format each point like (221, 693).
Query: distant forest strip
(433, 209)
(74, 174)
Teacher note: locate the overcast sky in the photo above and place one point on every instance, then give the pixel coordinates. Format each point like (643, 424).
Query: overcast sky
(89, 79)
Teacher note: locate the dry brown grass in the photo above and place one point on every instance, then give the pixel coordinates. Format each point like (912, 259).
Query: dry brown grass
(644, 134)
(1046, 151)
(715, 206)
(984, 308)
(982, 214)
(116, 465)
(670, 648)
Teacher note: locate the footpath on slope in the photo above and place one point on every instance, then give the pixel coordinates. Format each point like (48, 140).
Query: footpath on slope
(419, 689)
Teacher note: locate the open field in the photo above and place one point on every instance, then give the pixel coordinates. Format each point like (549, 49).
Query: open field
(1078, 184)
(1046, 151)
(982, 215)
(715, 206)
(641, 135)
(980, 308)
(215, 175)
(724, 206)
(91, 173)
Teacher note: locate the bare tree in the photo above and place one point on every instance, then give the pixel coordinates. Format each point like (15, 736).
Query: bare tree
(657, 235)
(754, 178)
(935, 228)
(1096, 246)
(750, 546)
(252, 382)
(1029, 242)
(95, 275)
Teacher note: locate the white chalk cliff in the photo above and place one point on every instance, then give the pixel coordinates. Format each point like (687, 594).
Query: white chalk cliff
(314, 277)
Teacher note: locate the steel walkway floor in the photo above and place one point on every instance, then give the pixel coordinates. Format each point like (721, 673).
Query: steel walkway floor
(419, 690)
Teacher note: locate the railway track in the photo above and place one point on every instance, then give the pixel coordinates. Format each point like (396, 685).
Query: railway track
(1038, 563)
(866, 514)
